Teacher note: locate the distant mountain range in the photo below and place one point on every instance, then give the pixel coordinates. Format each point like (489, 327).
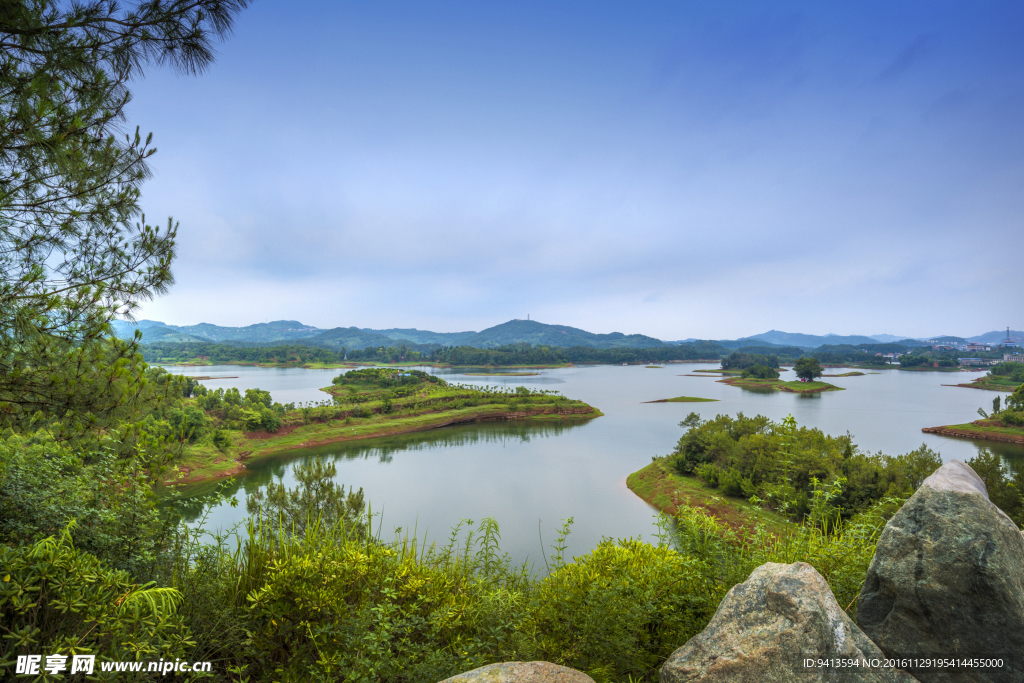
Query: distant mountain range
(291, 331)
(511, 332)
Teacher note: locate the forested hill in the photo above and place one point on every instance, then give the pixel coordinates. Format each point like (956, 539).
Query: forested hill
(807, 340)
(538, 334)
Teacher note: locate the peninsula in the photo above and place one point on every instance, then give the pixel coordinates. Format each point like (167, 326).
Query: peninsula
(365, 403)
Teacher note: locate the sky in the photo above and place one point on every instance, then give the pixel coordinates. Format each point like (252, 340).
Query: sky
(676, 169)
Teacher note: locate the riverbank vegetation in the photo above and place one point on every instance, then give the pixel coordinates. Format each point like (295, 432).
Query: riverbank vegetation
(779, 465)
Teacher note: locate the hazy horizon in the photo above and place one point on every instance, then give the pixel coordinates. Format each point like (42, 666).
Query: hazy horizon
(669, 169)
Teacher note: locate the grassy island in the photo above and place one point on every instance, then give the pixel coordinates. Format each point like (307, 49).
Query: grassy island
(850, 374)
(682, 399)
(795, 386)
(365, 403)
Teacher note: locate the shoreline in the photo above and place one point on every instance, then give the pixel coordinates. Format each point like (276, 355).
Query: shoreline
(971, 431)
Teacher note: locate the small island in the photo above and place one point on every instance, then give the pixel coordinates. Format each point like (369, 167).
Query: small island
(754, 371)
(225, 429)
(683, 399)
(795, 386)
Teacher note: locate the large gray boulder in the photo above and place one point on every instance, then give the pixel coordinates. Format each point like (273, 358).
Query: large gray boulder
(521, 672)
(767, 625)
(948, 579)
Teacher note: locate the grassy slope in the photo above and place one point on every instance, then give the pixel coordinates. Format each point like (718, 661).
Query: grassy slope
(667, 490)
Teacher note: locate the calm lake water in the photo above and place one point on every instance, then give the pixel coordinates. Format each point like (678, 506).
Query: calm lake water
(530, 477)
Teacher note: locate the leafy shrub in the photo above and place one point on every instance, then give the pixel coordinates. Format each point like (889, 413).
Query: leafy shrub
(760, 372)
(1005, 488)
(731, 482)
(56, 598)
(709, 474)
(618, 611)
(1012, 418)
(189, 423)
(44, 486)
(778, 462)
(221, 440)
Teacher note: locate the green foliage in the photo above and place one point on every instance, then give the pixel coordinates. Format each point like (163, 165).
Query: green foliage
(44, 485)
(1005, 488)
(840, 551)
(75, 249)
(385, 377)
(741, 361)
(760, 372)
(618, 611)
(709, 473)
(777, 464)
(221, 440)
(1015, 401)
(57, 598)
(808, 368)
(1012, 371)
(189, 423)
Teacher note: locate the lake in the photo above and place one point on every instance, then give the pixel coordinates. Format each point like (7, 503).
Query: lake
(530, 477)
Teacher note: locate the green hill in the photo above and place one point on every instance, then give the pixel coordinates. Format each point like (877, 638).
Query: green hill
(353, 338)
(807, 341)
(423, 336)
(539, 334)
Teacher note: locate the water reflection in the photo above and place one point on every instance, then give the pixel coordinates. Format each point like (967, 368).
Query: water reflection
(381, 450)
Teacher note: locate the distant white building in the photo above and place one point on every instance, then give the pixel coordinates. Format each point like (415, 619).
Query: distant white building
(1014, 357)
(976, 346)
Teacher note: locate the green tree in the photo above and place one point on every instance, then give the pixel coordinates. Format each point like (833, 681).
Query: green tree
(808, 368)
(1015, 401)
(75, 248)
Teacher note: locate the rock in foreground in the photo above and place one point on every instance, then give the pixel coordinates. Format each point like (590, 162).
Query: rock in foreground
(521, 672)
(948, 579)
(767, 625)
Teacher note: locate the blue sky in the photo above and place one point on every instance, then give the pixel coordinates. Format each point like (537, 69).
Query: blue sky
(677, 169)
